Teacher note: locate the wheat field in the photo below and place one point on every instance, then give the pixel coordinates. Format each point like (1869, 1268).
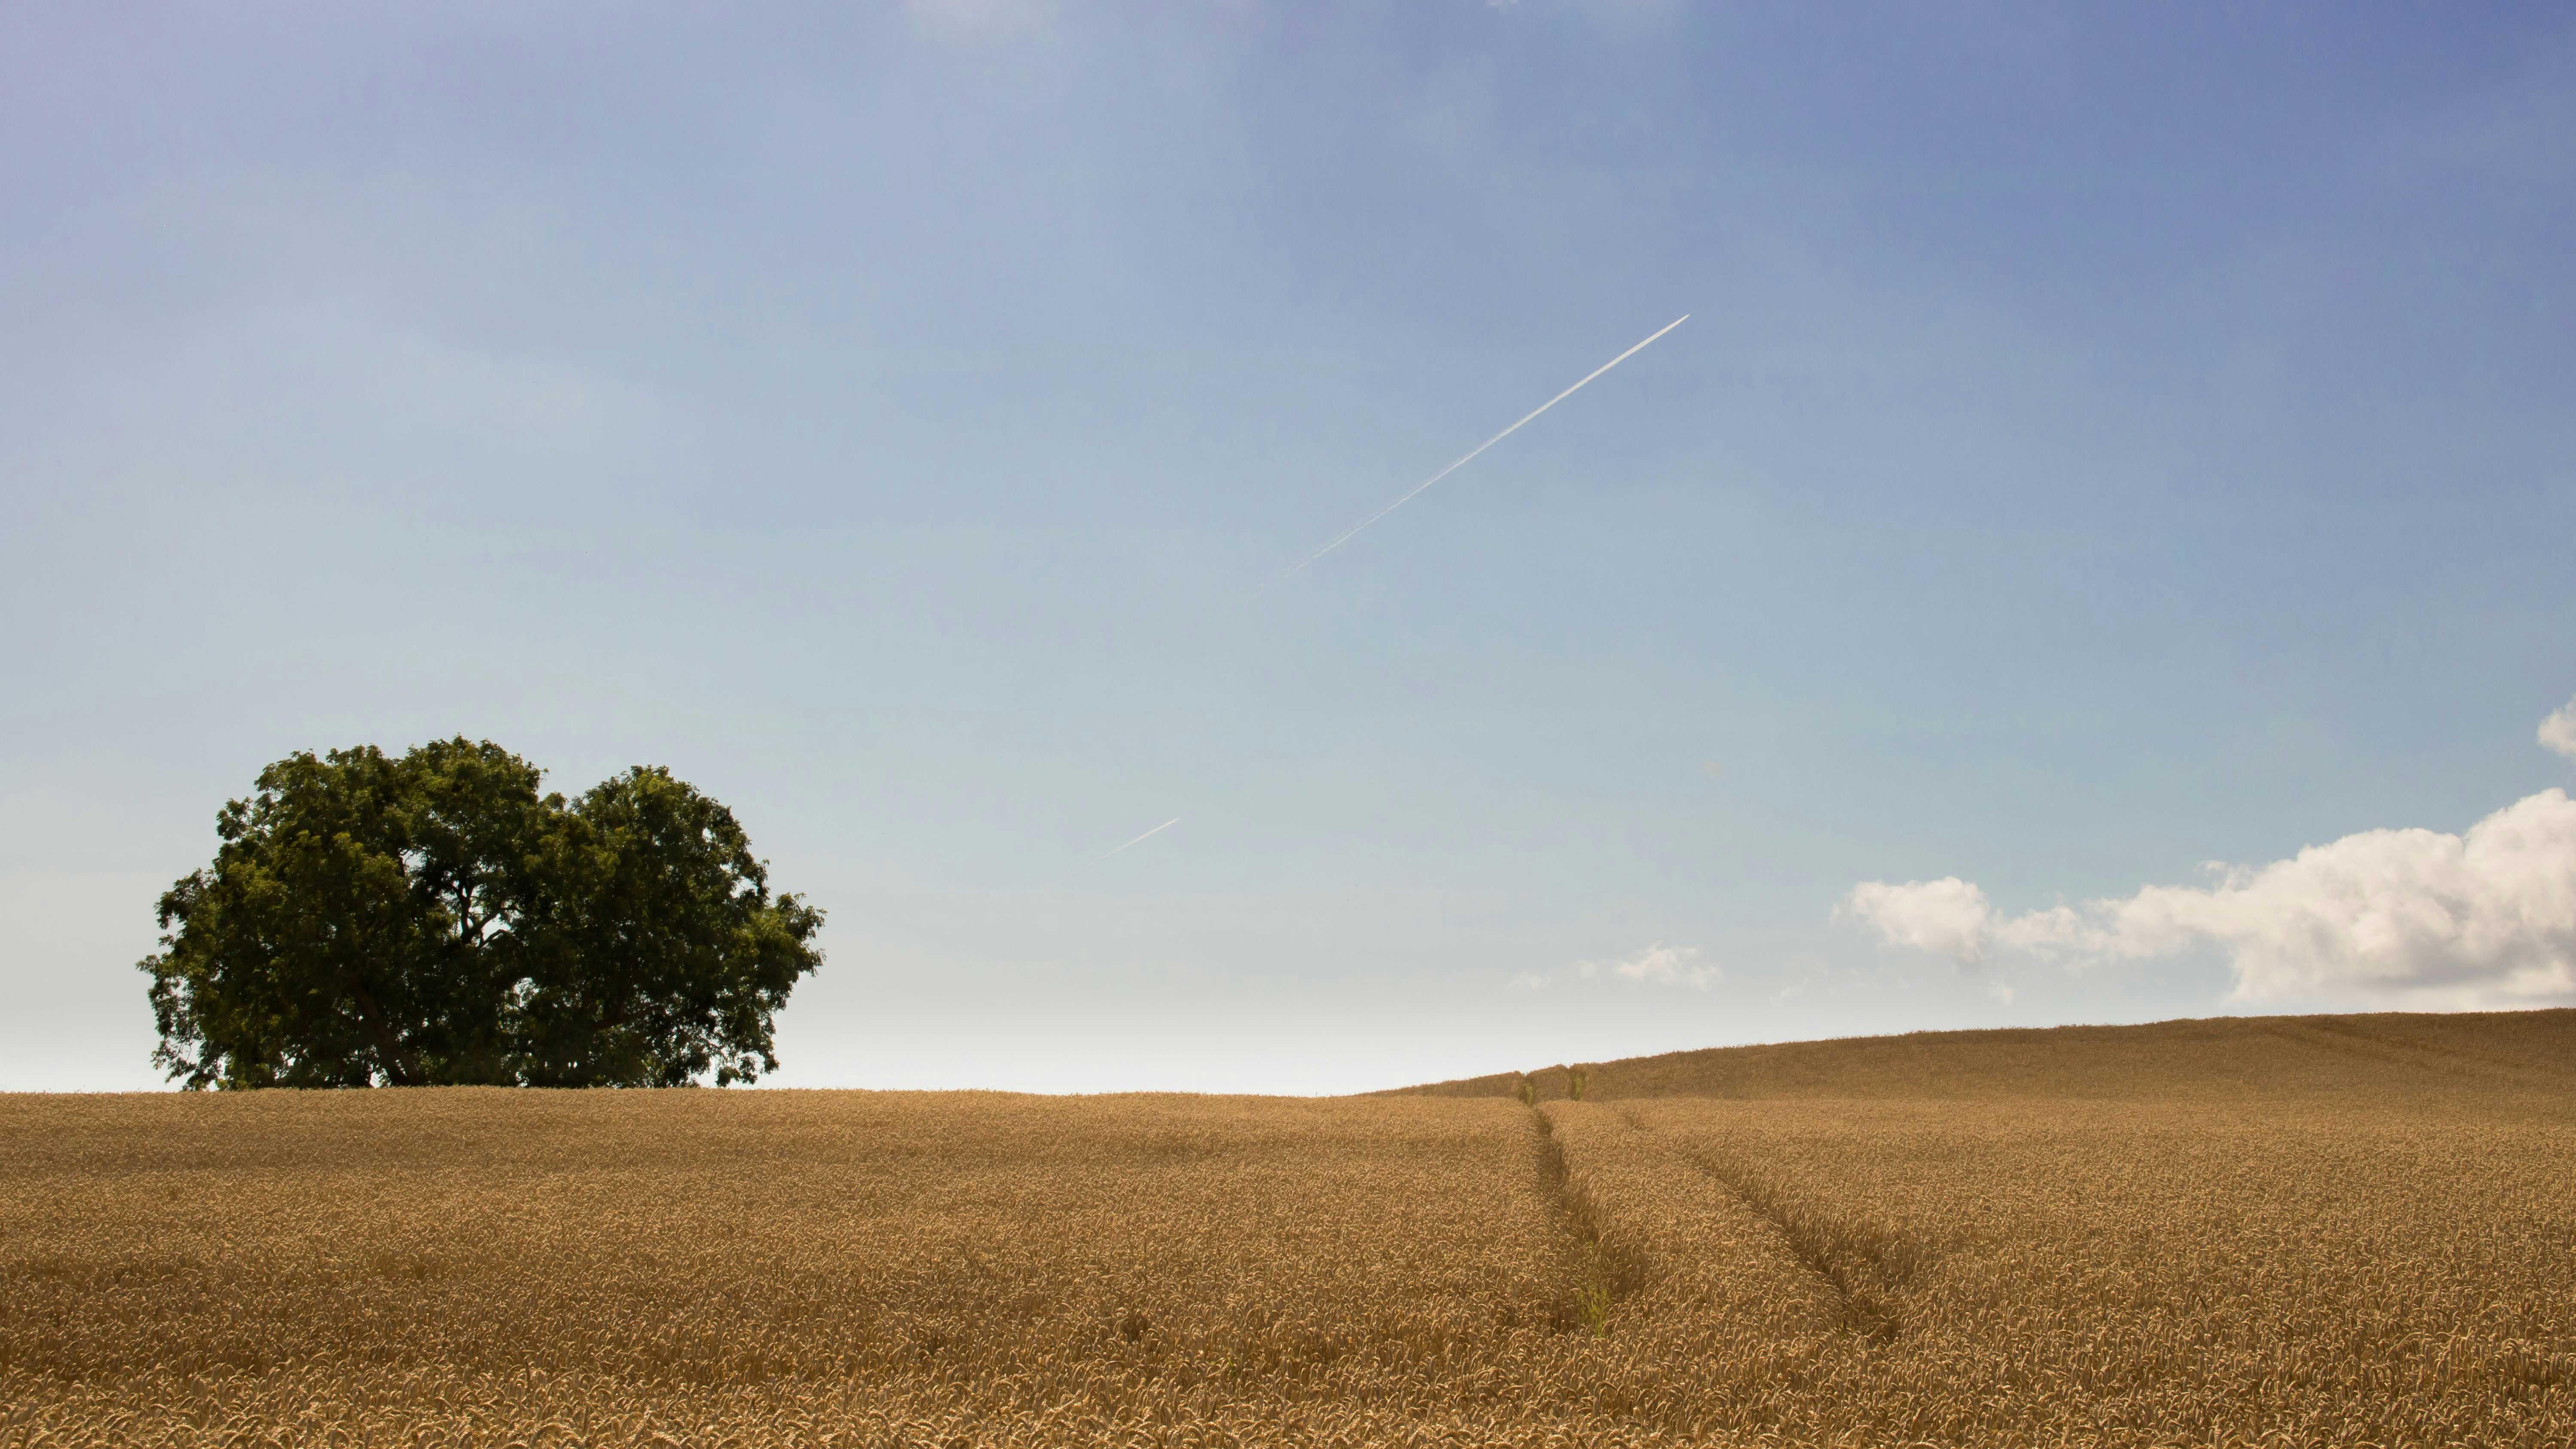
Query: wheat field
(2347, 1231)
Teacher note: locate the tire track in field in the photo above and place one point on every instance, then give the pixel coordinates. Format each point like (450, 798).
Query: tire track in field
(1606, 1267)
(1864, 1264)
(1701, 1268)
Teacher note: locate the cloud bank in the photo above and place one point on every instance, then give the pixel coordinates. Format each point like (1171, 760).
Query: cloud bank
(2485, 918)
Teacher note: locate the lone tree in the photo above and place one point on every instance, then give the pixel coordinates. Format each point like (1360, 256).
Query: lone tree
(433, 919)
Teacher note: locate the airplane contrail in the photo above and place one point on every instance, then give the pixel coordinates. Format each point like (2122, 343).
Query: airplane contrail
(1480, 447)
(1157, 830)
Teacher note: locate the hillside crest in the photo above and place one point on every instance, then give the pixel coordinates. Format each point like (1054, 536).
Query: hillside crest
(2218, 1057)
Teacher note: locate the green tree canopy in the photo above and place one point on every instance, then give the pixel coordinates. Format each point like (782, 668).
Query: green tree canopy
(433, 919)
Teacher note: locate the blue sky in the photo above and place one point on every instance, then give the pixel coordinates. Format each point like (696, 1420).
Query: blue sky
(2103, 444)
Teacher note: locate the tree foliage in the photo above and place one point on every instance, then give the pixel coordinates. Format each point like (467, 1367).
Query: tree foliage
(434, 919)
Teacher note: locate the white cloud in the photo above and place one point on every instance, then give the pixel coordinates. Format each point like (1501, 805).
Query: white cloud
(2558, 732)
(2480, 919)
(1948, 916)
(1657, 965)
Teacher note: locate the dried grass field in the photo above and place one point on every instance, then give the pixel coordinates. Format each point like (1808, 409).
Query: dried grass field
(2322, 1231)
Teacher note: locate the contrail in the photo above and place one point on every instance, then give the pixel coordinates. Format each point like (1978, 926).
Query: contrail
(1480, 447)
(1157, 830)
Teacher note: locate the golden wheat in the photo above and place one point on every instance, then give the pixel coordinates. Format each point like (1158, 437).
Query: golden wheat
(2377, 1248)
(2043, 1272)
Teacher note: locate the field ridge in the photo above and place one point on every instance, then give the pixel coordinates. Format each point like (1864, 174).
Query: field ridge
(2183, 1058)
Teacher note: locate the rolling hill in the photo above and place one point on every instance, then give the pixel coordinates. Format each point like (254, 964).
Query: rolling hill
(2217, 1057)
(2244, 1232)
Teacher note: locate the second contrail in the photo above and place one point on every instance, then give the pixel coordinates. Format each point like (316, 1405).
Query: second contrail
(1157, 830)
(1354, 531)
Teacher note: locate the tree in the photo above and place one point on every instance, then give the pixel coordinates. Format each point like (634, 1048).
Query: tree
(433, 919)
(654, 877)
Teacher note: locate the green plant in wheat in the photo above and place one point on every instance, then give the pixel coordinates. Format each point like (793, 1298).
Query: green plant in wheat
(1592, 1301)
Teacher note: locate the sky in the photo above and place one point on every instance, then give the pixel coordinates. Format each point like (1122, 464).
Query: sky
(2099, 551)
